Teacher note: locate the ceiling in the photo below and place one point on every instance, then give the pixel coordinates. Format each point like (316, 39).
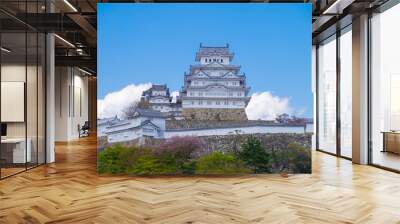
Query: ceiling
(75, 22)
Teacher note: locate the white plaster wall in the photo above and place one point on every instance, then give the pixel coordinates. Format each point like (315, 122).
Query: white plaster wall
(310, 128)
(79, 117)
(188, 104)
(241, 130)
(67, 114)
(159, 93)
(127, 135)
(162, 108)
(101, 130)
(62, 81)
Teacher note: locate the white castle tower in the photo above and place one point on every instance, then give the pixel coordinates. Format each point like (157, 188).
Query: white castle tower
(214, 82)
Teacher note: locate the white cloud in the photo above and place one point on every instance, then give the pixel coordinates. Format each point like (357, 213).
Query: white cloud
(115, 102)
(266, 106)
(174, 94)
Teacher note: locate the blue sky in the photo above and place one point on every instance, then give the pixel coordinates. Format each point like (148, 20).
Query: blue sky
(141, 43)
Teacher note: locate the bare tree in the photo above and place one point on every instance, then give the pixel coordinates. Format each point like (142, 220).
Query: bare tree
(283, 118)
(129, 111)
(287, 119)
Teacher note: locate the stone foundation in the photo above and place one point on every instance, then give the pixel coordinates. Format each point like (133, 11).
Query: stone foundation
(232, 143)
(208, 114)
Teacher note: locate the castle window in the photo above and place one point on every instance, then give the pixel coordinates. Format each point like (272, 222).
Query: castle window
(214, 59)
(222, 60)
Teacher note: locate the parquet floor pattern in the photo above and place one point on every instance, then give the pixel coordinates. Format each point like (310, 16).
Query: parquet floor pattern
(70, 191)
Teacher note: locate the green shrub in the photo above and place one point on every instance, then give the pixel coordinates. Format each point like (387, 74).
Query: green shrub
(254, 156)
(219, 163)
(189, 167)
(145, 165)
(180, 147)
(294, 158)
(129, 155)
(300, 158)
(109, 160)
(143, 161)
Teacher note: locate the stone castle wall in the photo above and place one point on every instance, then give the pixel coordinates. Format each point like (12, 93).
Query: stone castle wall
(214, 114)
(232, 143)
(188, 124)
(271, 142)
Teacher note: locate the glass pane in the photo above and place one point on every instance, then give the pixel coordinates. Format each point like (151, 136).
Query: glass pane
(31, 98)
(327, 95)
(41, 98)
(346, 93)
(386, 89)
(13, 86)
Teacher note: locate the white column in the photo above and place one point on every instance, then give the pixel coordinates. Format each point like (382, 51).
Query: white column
(360, 90)
(314, 92)
(50, 98)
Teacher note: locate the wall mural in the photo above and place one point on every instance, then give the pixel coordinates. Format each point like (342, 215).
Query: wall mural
(195, 97)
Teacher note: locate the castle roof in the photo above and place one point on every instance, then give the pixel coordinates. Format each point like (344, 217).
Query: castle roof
(214, 67)
(205, 51)
(159, 87)
(148, 113)
(156, 87)
(107, 121)
(125, 125)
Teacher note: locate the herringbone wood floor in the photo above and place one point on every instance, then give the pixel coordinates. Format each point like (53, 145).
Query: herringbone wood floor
(70, 191)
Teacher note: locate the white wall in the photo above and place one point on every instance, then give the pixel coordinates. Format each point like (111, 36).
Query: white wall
(71, 103)
(122, 136)
(230, 104)
(233, 130)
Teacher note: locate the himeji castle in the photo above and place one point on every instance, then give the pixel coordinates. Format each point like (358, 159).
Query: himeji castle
(213, 89)
(213, 82)
(212, 102)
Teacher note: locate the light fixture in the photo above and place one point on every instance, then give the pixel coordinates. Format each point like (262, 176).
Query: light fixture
(337, 7)
(70, 5)
(84, 71)
(5, 50)
(64, 40)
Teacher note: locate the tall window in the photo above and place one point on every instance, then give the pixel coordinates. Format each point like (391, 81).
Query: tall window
(385, 88)
(346, 92)
(327, 95)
